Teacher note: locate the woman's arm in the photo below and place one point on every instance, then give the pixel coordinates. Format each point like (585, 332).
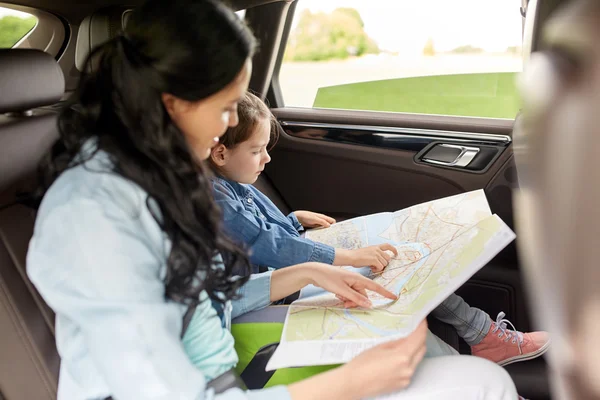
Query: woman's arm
(348, 285)
(94, 266)
(382, 369)
(333, 384)
(289, 280)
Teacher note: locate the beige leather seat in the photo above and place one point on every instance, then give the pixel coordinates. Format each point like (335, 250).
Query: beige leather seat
(30, 363)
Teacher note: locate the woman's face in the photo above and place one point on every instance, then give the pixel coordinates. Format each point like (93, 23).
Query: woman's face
(205, 121)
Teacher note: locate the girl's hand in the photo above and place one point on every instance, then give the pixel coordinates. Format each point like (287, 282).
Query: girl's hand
(309, 219)
(348, 286)
(376, 257)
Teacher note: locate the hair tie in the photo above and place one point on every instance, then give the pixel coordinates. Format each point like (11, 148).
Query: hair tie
(125, 37)
(130, 49)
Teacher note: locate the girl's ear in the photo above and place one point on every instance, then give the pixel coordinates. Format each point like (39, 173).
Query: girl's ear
(219, 155)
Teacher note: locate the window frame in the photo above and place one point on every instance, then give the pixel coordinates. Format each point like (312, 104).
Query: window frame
(50, 33)
(275, 95)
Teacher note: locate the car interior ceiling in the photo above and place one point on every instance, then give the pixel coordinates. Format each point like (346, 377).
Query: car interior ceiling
(28, 108)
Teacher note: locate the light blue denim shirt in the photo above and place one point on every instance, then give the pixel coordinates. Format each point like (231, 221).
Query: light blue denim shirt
(98, 258)
(253, 220)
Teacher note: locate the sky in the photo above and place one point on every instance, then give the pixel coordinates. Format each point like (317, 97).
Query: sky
(405, 25)
(7, 11)
(400, 25)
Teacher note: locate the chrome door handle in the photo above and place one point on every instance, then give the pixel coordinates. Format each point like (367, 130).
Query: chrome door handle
(464, 158)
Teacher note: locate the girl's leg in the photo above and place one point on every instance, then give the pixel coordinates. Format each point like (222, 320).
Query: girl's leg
(458, 378)
(471, 324)
(489, 339)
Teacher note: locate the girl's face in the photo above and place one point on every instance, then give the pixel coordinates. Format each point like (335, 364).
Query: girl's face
(245, 162)
(205, 121)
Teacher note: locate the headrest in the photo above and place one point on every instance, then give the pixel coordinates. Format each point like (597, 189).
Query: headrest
(96, 29)
(28, 79)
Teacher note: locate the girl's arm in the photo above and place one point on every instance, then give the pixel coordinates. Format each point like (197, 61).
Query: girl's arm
(375, 257)
(271, 245)
(294, 220)
(309, 219)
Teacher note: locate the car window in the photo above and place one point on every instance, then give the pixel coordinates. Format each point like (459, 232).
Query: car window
(442, 57)
(14, 26)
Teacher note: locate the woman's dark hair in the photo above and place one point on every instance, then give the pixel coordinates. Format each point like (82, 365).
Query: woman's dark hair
(251, 110)
(190, 49)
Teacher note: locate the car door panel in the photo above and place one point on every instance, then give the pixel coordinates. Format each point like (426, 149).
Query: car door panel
(335, 162)
(348, 169)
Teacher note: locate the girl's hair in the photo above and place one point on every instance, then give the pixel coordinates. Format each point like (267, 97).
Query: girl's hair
(251, 110)
(190, 49)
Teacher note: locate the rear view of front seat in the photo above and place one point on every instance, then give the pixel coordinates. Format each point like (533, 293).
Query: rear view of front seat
(557, 147)
(29, 79)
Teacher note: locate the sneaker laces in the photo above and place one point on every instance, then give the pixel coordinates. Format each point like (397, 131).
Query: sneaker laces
(501, 325)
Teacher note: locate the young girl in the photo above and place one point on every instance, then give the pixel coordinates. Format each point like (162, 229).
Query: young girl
(127, 238)
(252, 219)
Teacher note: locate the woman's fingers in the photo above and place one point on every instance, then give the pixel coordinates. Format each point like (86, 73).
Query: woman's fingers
(411, 344)
(353, 295)
(418, 356)
(375, 287)
(362, 291)
(348, 303)
(418, 337)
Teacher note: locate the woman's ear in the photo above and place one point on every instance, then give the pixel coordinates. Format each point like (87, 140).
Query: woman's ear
(173, 104)
(219, 155)
(169, 102)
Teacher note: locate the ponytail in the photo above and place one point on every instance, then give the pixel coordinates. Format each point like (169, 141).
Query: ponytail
(118, 106)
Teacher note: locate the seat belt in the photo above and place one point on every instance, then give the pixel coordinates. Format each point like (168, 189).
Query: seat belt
(255, 373)
(226, 381)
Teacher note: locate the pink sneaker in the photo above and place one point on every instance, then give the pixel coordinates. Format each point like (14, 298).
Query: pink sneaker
(504, 346)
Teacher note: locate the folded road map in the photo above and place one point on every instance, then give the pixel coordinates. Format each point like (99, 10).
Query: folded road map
(440, 244)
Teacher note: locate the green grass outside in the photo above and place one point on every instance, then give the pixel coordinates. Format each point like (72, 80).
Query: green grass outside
(13, 29)
(491, 95)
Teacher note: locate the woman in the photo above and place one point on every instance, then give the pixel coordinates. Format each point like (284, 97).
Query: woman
(127, 237)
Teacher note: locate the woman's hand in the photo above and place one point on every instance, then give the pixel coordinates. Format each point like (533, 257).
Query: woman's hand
(346, 285)
(376, 257)
(309, 219)
(386, 368)
(349, 287)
